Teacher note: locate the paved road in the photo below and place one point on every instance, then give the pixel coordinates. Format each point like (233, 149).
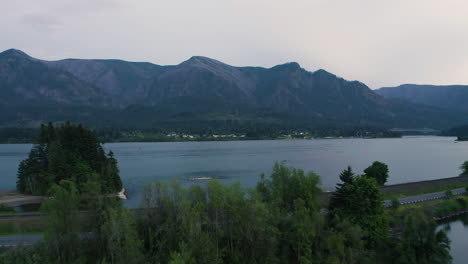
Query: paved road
(425, 197)
(19, 240)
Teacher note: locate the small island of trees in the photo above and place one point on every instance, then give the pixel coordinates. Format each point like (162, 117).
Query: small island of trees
(68, 152)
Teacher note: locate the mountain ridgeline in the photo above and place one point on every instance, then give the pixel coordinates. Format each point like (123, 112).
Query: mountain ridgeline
(201, 91)
(452, 97)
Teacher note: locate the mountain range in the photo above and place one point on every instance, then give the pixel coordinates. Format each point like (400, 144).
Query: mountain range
(201, 90)
(454, 97)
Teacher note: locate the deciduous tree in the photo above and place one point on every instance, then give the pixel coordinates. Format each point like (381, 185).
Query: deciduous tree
(378, 171)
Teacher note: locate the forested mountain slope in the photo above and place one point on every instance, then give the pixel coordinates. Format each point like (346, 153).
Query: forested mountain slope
(448, 96)
(200, 90)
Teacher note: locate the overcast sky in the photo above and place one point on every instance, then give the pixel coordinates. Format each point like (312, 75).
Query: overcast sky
(378, 42)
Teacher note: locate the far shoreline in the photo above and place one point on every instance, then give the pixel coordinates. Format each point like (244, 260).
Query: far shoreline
(238, 139)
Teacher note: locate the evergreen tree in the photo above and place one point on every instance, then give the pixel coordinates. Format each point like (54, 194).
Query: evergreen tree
(341, 193)
(360, 202)
(70, 152)
(346, 176)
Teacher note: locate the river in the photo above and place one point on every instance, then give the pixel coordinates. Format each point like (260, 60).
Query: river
(408, 158)
(457, 232)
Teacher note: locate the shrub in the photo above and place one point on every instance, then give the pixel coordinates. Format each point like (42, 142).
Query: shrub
(6, 209)
(395, 203)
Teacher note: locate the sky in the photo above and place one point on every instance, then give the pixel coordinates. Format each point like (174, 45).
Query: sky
(378, 42)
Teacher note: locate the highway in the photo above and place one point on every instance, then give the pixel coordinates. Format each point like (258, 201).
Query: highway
(425, 197)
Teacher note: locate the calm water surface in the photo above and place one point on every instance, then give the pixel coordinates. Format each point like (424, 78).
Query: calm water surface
(457, 232)
(409, 159)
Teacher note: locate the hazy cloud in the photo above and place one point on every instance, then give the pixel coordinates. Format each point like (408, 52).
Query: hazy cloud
(380, 43)
(42, 21)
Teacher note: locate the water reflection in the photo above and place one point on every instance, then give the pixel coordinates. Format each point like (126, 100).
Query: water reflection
(457, 232)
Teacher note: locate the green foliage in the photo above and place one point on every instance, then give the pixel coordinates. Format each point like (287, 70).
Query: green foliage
(68, 152)
(464, 168)
(184, 256)
(25, 255)
(346, 176)
(278, 222)
(341, 193)
(305, 236)
(287, 185)
(120, 237)
(395, 203)
(6, 209)
(451, 206)
(62, 222)
(378, 171)
(448, 193)
(359, 201)
(420, 242)
(106, 233)
(217, 223)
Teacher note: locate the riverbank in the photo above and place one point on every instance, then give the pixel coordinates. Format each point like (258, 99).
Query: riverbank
(423, 187)
(401, 190)
(220, 138)
(439, 210)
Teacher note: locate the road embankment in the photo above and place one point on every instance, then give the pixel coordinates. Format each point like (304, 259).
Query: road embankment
(13, 198)
(422, 186)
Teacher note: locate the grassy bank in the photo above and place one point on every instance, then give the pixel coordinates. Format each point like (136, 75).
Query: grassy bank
(22, 226)
(432, 209)
(417, 188)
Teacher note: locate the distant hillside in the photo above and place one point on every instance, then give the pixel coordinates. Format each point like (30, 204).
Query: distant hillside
(460, 131)
(122, 83)
(198, 92)
(25, 80)
(453, 97)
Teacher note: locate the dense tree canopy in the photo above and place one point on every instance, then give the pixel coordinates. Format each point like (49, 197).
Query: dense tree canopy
(69, 152)
(378, 171)
(464, 168)
(422, 243)
(358, 199)
(281, 221)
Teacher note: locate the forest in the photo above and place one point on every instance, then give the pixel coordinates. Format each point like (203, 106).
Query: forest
(282, 220)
